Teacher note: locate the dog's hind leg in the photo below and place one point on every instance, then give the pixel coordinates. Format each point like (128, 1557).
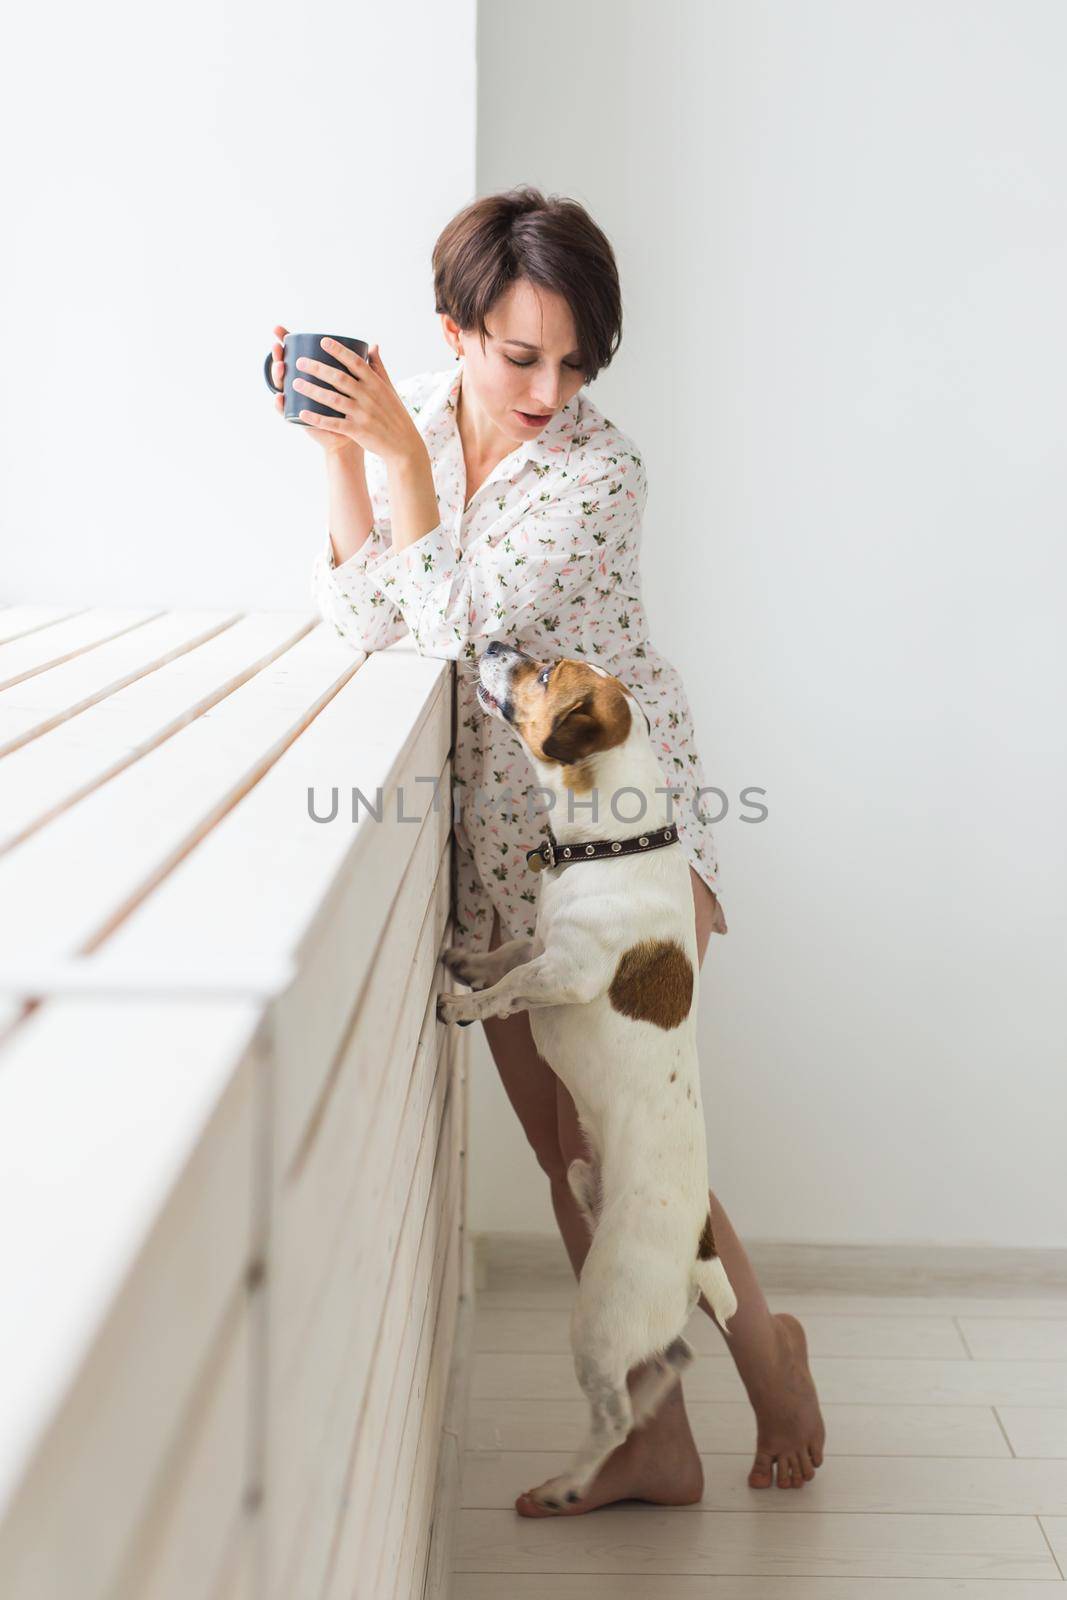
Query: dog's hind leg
(663, 1373)
(611, 1419)
(581, 1175)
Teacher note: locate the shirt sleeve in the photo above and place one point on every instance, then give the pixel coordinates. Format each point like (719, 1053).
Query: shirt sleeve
(453, 605)
(349, 595)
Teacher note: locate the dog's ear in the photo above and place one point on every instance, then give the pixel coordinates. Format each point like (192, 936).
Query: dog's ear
(573, 733)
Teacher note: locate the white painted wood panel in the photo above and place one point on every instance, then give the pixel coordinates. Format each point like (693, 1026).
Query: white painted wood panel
(125, 1221)
(355, 1342)
(35, 705)
(226, 1106)
(46, 647)
(382, 1478)
(15, 621)
(180, 1547)
(239, 1579)
(410, 1565)
(123, 838)
(57, 767)
(360, 1149)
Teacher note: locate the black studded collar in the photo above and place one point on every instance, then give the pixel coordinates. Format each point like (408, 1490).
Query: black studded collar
(550, 853)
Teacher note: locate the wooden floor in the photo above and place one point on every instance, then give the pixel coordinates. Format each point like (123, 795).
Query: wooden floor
(945, 1471)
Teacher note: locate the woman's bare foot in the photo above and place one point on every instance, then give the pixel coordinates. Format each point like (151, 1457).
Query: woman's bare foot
(789, 1425)
(658, 1462)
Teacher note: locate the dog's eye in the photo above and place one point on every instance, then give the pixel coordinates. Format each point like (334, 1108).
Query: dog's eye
(543, 678)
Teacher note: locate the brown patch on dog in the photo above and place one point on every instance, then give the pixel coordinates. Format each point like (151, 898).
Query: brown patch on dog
(653, 982)
(706, 1248)
(572, 718)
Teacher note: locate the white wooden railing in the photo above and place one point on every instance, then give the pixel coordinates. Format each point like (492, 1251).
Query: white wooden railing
(233, 1255)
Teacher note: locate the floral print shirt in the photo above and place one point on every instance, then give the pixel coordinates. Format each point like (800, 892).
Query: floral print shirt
(545, 556)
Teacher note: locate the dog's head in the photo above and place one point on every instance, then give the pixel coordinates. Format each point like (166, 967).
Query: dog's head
(566, 712)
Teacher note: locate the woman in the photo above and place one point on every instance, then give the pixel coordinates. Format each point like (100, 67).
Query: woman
(496, 501)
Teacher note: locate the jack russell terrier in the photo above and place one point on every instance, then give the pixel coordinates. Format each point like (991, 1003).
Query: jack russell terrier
(610, 982)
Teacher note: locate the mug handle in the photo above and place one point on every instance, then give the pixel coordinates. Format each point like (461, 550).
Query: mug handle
(266, 373)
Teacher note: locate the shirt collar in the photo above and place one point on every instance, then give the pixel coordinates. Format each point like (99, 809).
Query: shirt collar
(551, 445)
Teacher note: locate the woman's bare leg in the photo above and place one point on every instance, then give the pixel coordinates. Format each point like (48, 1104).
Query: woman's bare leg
(769, 1349)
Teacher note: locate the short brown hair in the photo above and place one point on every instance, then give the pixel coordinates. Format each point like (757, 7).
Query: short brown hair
(552, 242)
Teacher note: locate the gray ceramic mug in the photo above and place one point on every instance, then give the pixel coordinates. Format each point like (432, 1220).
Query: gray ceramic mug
(296, 345)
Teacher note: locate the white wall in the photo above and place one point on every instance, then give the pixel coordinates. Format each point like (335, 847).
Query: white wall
(843, 237)
(842, 232)
(176, 183)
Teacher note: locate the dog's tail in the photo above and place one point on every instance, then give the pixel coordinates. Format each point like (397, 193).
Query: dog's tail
(709, 1275)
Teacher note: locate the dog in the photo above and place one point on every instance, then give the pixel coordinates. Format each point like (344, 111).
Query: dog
(610, 982)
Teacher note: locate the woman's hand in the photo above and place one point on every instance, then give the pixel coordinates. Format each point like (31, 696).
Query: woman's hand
(330, 442)
(374, 416)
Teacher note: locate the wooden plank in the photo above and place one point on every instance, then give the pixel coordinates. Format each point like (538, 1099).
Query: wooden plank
(324, 899)
(150, 831)
(418, 1477)
(369, 1524)
(12, 1010)
(463, 1068)
(42, 778)
(418, 1467)
(125, 1221)
(15, 621)
(179, 1550)
(317, 1397)
(46, 647)
(790, 1552)
(369, 1122)
(238, 1580)
(31, 707)
(404, 1339)
(116, 844)
(843, 1380)
(412, 1562)
(447, 1491)
(413, 1294)
(340, 1541)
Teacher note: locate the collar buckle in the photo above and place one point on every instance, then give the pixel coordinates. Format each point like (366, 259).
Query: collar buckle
(542, 856)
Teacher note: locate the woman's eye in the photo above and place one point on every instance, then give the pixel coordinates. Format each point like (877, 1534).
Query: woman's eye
(574, 366)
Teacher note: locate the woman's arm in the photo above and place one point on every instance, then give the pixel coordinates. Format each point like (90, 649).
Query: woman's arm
(376, 417)
(413, 504)
(453, 605)
(359, 612)
(351, 516)
(412, 499)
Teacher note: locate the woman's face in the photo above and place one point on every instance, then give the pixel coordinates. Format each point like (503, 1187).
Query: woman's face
(530, 366)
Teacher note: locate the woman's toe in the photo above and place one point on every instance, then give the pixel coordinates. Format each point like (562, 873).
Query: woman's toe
(527, 1506)
(807, 1466)
(785, 1471)
(762, 1470)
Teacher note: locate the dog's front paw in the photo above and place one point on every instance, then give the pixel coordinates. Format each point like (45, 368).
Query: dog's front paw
(469, 967)
(456, 1008)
